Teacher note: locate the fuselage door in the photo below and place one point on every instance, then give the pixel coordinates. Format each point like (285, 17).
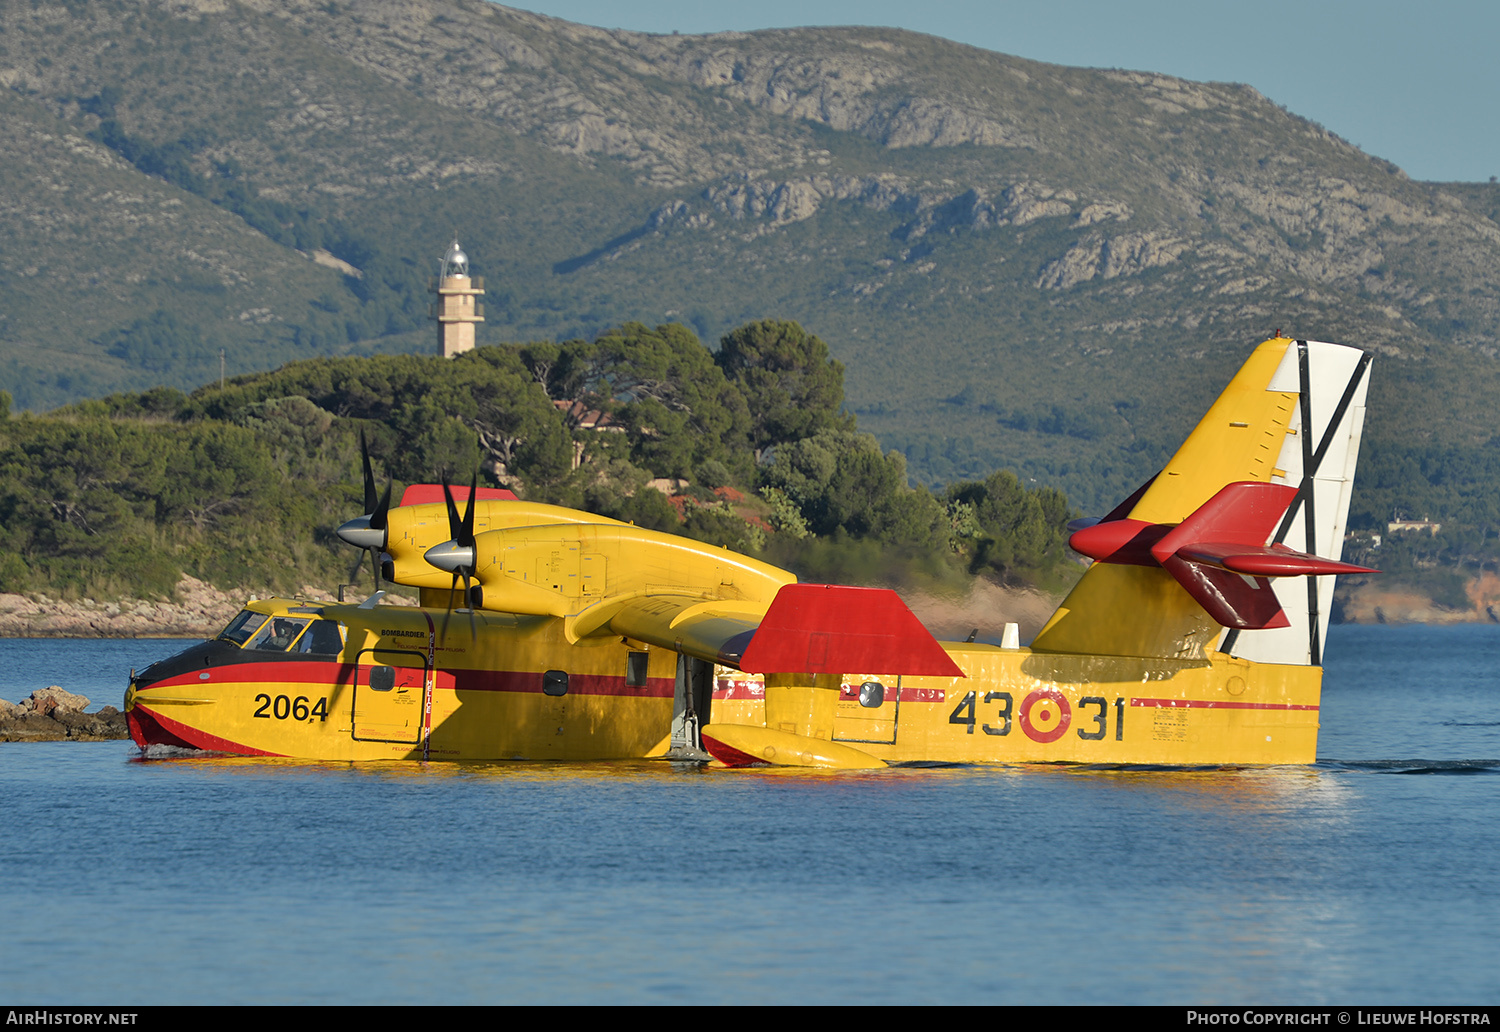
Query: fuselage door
(389, 685)
(868, 710)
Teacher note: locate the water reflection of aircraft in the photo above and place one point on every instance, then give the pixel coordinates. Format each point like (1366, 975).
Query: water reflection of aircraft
(1195, 637)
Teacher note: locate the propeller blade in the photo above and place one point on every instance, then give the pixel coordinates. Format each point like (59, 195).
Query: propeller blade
(452, 588)
(469, 605)
(468, 524)
(382, 509)
(455, 525)
(364, 454)
(368, 531)
(461, 534)
(359, 560)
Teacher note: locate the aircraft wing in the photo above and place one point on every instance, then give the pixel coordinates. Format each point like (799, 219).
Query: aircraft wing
(713, 629)
(807, 629)
(700, 600)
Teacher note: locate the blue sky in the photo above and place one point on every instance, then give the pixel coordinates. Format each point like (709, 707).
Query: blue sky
(1417, 84)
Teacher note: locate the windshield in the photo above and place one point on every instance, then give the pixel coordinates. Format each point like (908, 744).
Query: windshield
(278, 633)
(324, 637)
(242, 626)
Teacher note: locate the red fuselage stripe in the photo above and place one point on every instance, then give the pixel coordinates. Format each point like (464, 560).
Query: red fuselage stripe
(1212, 704)
(531, 683)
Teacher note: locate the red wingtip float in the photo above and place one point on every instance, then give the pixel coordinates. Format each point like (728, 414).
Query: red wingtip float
(1219, 554)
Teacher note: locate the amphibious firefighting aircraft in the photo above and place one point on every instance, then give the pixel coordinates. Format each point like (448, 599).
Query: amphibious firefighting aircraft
(1195, 637)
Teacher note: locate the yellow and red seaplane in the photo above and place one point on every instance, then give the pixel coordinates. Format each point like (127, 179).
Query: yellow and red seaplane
(1195, 637)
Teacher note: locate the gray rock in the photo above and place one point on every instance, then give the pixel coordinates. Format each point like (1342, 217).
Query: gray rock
(53, 698)
(33, 727)
(1107, 258)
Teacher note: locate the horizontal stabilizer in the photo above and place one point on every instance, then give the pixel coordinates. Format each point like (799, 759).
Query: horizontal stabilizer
(1242, 513)
(1218, 553)
(1229, 598)
(1220, 557)
(1266, 560)
(831, 629)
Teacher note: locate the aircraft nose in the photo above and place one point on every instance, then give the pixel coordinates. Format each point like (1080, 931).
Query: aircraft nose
(450, 556)
(360, 534)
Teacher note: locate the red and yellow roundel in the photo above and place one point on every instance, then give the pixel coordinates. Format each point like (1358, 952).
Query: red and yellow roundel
(1045, 715)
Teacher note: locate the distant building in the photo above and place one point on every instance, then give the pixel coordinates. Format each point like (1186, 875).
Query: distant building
(1402, 526)
(456, 309)
(579, 416)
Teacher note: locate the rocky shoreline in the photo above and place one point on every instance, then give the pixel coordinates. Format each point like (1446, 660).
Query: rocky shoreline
(1372, 602)
(198, 610)
(54, 715)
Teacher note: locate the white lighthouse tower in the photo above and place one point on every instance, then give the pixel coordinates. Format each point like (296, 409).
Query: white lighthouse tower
(456, 310)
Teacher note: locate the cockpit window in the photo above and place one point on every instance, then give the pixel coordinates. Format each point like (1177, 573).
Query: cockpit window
(242, 626)
(323, 638)
(278, 634)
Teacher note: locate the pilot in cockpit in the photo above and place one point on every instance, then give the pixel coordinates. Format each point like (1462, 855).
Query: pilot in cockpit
(282, 633)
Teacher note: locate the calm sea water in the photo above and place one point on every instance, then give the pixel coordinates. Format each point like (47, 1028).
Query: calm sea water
(1370, 877)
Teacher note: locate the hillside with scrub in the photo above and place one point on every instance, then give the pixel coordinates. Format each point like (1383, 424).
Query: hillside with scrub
(1022, 265)
(749, 448)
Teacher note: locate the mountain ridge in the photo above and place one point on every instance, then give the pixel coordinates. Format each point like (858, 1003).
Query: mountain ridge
(1021, 264)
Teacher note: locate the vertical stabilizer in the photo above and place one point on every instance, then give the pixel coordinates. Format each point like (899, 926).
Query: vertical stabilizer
(1291, 417)
(1318, 459)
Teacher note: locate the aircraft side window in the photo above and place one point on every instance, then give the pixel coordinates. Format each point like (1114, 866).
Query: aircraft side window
(322, 639)
(871, 694)
(382, 678)
(555, 682)
(242, 626)
(635, 669)
(278, 634)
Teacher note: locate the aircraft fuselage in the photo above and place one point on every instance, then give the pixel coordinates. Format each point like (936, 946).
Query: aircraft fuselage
(513, 688)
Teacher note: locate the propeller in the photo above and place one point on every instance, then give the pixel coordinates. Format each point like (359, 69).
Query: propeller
(368, 531)
(457, 554)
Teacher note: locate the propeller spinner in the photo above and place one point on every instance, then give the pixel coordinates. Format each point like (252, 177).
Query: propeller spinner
(456, 555)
